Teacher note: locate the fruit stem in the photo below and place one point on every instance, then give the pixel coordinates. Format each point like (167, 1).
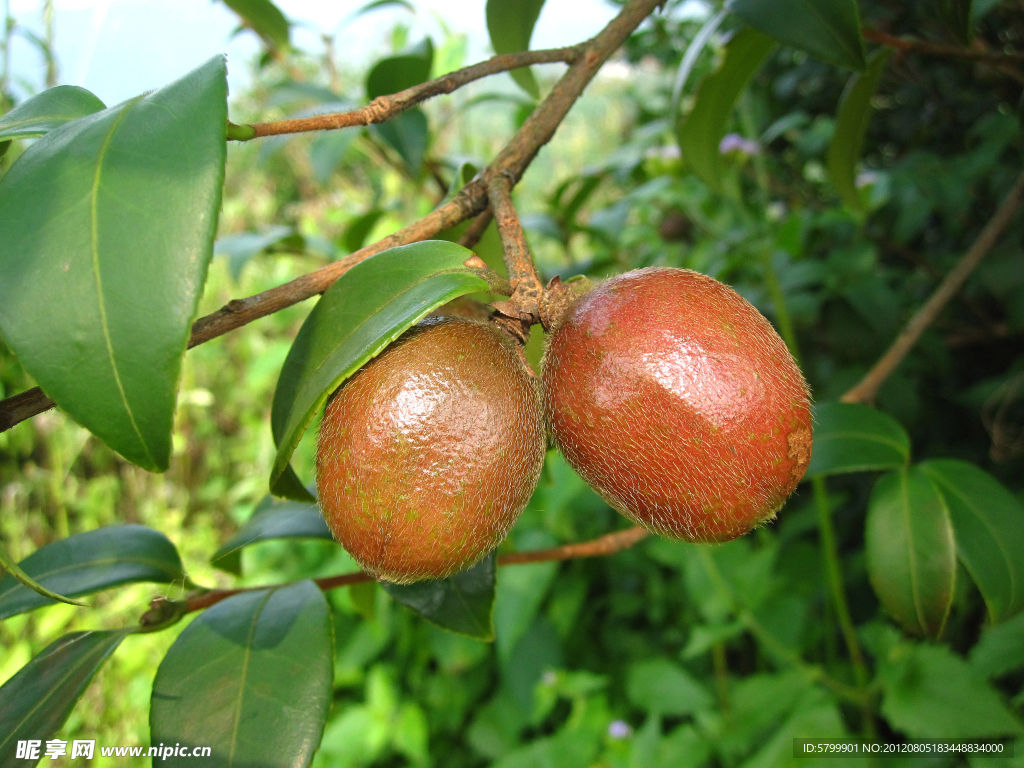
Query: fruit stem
(527, 289)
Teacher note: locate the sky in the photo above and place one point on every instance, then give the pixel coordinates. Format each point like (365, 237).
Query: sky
(119, 48)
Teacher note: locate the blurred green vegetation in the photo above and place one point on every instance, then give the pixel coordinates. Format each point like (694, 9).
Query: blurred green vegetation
(667, 655)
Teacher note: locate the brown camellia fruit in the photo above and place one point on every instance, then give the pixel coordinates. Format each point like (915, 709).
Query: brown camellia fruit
(429, 453)
(678, 402)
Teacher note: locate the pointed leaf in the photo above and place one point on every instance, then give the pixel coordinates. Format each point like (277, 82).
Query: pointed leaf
(396, 73)
(462, 603)
(1000, 649)
(989, 525)
(115, 213)
(16, 579)
(35, 702)
(826, 29)
(50, 109)
(91, 561)
(408, 134)
(370, 306)
(264, 18)
(911, 551)
(251, 678)
(271, 520)
(510, 24)
(702, 132)
(855, 112)
(856, 438)
(360, 229)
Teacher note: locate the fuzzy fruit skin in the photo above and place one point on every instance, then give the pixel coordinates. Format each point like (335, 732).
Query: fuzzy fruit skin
(428, 454)
(677, 401)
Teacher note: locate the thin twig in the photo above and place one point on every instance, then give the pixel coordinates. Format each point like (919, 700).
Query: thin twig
(383, 108)
(470, 201)
(476, 230)
(605, 545)
(914, 45)
(527, 288)
(867, 388)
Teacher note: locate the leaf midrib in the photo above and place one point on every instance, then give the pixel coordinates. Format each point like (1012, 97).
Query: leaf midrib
(94, 243)
(91, 564)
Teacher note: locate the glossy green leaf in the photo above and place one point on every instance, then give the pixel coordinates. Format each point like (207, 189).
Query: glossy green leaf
(264, 18)
(242, 246)
(91, 561)
(16, 579)
(911, 551)
(510, 24)
(930, 692)
(462, 603)
(396, 73)
(50, 109)
(370, 306)
(989, 525)
(408, 134)
(37, 700)
(826, 29)
(273, 519)
(115, 214)
(1000, 649)
(701, 133)
(251, 678)
(856, 438)
(852, 120)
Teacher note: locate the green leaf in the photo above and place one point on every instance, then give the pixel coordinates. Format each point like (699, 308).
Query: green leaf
(1000, 649)
(37, 700)
(241, 247)
(911, 550)
(115, 214)
(989, 525)
(705, 126)
(396, 73)
(49, 110)
(327, 152)
(462, 603)
(251, 678)
(91, 561)
(408, 134)
(658, 685)
(360, 229)
(16, 579)
(510, 24)
(374, 5)
(930, 692)
(271, 520)
(855, 438)
(826, 29)
(852, 120)
(264, 18)
(370, 306)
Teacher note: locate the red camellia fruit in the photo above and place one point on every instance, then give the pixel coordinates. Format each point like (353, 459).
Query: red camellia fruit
(428, 454)
(677, 401)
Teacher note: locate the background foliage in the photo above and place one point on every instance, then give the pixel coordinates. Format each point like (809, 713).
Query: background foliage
(834, 205)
